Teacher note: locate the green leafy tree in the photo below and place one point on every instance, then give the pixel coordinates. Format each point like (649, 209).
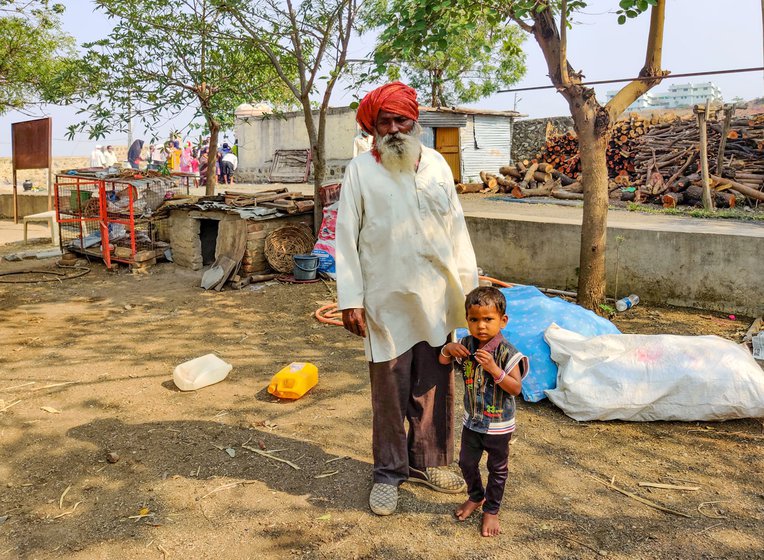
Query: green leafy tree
(37, 59)
(548, 21)
(165, 60)
(307, 43)
(471, 59)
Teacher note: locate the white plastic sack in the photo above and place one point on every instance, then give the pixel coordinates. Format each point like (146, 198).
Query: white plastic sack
(654, 377)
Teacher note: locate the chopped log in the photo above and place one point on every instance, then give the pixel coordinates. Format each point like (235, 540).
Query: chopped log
(681, 170)
(464, 188)
(489, 181)
(745, 190)
(529, 173)
(544, 190)
(542, 177)
(671, 199)
(628, 196)
(505, 185)
(567, 195)
(509, 171)
(693, 195)
(575, 187)
(564, 179)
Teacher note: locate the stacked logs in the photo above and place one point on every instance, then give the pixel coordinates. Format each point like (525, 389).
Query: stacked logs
(521, 180)
(667, 163)
(561, 150)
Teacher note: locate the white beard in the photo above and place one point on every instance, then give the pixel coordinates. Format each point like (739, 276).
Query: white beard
(400, 151)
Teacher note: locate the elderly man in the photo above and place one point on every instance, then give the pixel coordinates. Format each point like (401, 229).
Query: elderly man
(404, 263)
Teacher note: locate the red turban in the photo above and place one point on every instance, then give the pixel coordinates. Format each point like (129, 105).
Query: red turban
(394, 97)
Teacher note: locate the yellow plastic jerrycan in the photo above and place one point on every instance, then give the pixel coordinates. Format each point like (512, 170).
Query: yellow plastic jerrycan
(294, 380)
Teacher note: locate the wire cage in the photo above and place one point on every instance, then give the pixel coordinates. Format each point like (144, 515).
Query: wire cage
(112, 218)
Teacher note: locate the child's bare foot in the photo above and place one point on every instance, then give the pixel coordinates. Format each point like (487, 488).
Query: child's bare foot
(490, 525)
(466, 509)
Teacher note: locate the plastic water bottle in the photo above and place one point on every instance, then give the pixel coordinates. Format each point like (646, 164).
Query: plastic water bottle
(627, 303)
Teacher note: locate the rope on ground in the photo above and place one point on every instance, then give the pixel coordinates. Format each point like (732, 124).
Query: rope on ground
(57, 276)
(331, 316)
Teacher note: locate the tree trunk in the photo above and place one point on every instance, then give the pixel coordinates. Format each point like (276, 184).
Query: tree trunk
(212, 177)
(593, 141)
(318, 153)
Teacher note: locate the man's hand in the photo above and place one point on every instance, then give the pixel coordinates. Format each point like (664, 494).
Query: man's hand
(354, 320)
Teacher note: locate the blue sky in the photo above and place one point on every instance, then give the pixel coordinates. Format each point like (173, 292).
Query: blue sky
(700, 35)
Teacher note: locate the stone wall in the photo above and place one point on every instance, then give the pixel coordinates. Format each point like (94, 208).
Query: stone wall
(183, 233)
(529, 136)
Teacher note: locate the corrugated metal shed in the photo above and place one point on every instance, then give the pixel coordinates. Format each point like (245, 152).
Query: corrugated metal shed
(436, 119)
(486, 142)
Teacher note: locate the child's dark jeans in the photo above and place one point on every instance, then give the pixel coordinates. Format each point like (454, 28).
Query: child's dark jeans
(497, 447)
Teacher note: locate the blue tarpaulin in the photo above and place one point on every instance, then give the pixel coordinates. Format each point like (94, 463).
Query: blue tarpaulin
(530, 313)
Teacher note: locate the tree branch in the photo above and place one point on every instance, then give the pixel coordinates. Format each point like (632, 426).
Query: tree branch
(652, 68)
(564, 77)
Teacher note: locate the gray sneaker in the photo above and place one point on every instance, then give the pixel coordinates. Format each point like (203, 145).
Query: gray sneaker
(438, 479)
(383, 498)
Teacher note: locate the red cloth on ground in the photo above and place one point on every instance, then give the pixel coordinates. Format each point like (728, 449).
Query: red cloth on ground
(394, 97)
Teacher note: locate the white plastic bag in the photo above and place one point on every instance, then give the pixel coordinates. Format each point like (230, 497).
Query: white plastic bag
(654, 377)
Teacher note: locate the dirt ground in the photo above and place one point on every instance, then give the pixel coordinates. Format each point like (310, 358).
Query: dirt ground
(85, 370)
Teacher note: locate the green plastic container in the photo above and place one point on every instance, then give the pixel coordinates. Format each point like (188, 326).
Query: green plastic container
(78, 205)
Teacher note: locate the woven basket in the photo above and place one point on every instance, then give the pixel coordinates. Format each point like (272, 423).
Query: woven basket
(282, 244)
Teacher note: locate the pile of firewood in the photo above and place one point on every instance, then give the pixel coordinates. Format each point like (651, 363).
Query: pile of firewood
(667, 163)
(653, 160)
(281, 199)
(526, 179)
(561, 150)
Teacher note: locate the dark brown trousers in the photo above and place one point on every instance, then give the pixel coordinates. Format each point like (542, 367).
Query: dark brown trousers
(414, 387)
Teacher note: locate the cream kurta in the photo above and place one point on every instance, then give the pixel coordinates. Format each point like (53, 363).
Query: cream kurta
(403, 253)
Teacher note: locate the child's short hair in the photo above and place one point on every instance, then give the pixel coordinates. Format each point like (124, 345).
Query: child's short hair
(486, 296)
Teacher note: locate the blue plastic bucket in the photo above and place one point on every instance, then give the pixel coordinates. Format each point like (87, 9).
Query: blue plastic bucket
(305, 267)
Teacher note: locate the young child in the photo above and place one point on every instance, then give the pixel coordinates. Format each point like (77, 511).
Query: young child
(492, 370)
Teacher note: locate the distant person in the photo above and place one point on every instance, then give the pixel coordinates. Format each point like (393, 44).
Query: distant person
(185, 158)
(96, 157)
(174, 156)
(134, 154)
(194, 162)
(203, 165)
(109, 157)
(362, 143)
(229, 162)
(156, 155)
(492, 370)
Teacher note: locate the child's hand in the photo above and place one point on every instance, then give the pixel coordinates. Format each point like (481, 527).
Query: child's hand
(486, 360)
(455, 350)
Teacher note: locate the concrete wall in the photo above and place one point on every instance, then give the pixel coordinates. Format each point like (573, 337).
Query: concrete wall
(28, 204)
(715, 271)
(260, 137)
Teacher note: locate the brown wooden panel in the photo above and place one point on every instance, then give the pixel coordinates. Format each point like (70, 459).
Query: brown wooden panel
(447, 143)
(31, 144)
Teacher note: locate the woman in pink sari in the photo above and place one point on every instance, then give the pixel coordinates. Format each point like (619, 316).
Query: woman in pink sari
(185, 159)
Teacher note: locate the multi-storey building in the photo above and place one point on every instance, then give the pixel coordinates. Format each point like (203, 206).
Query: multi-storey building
(678, 95)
